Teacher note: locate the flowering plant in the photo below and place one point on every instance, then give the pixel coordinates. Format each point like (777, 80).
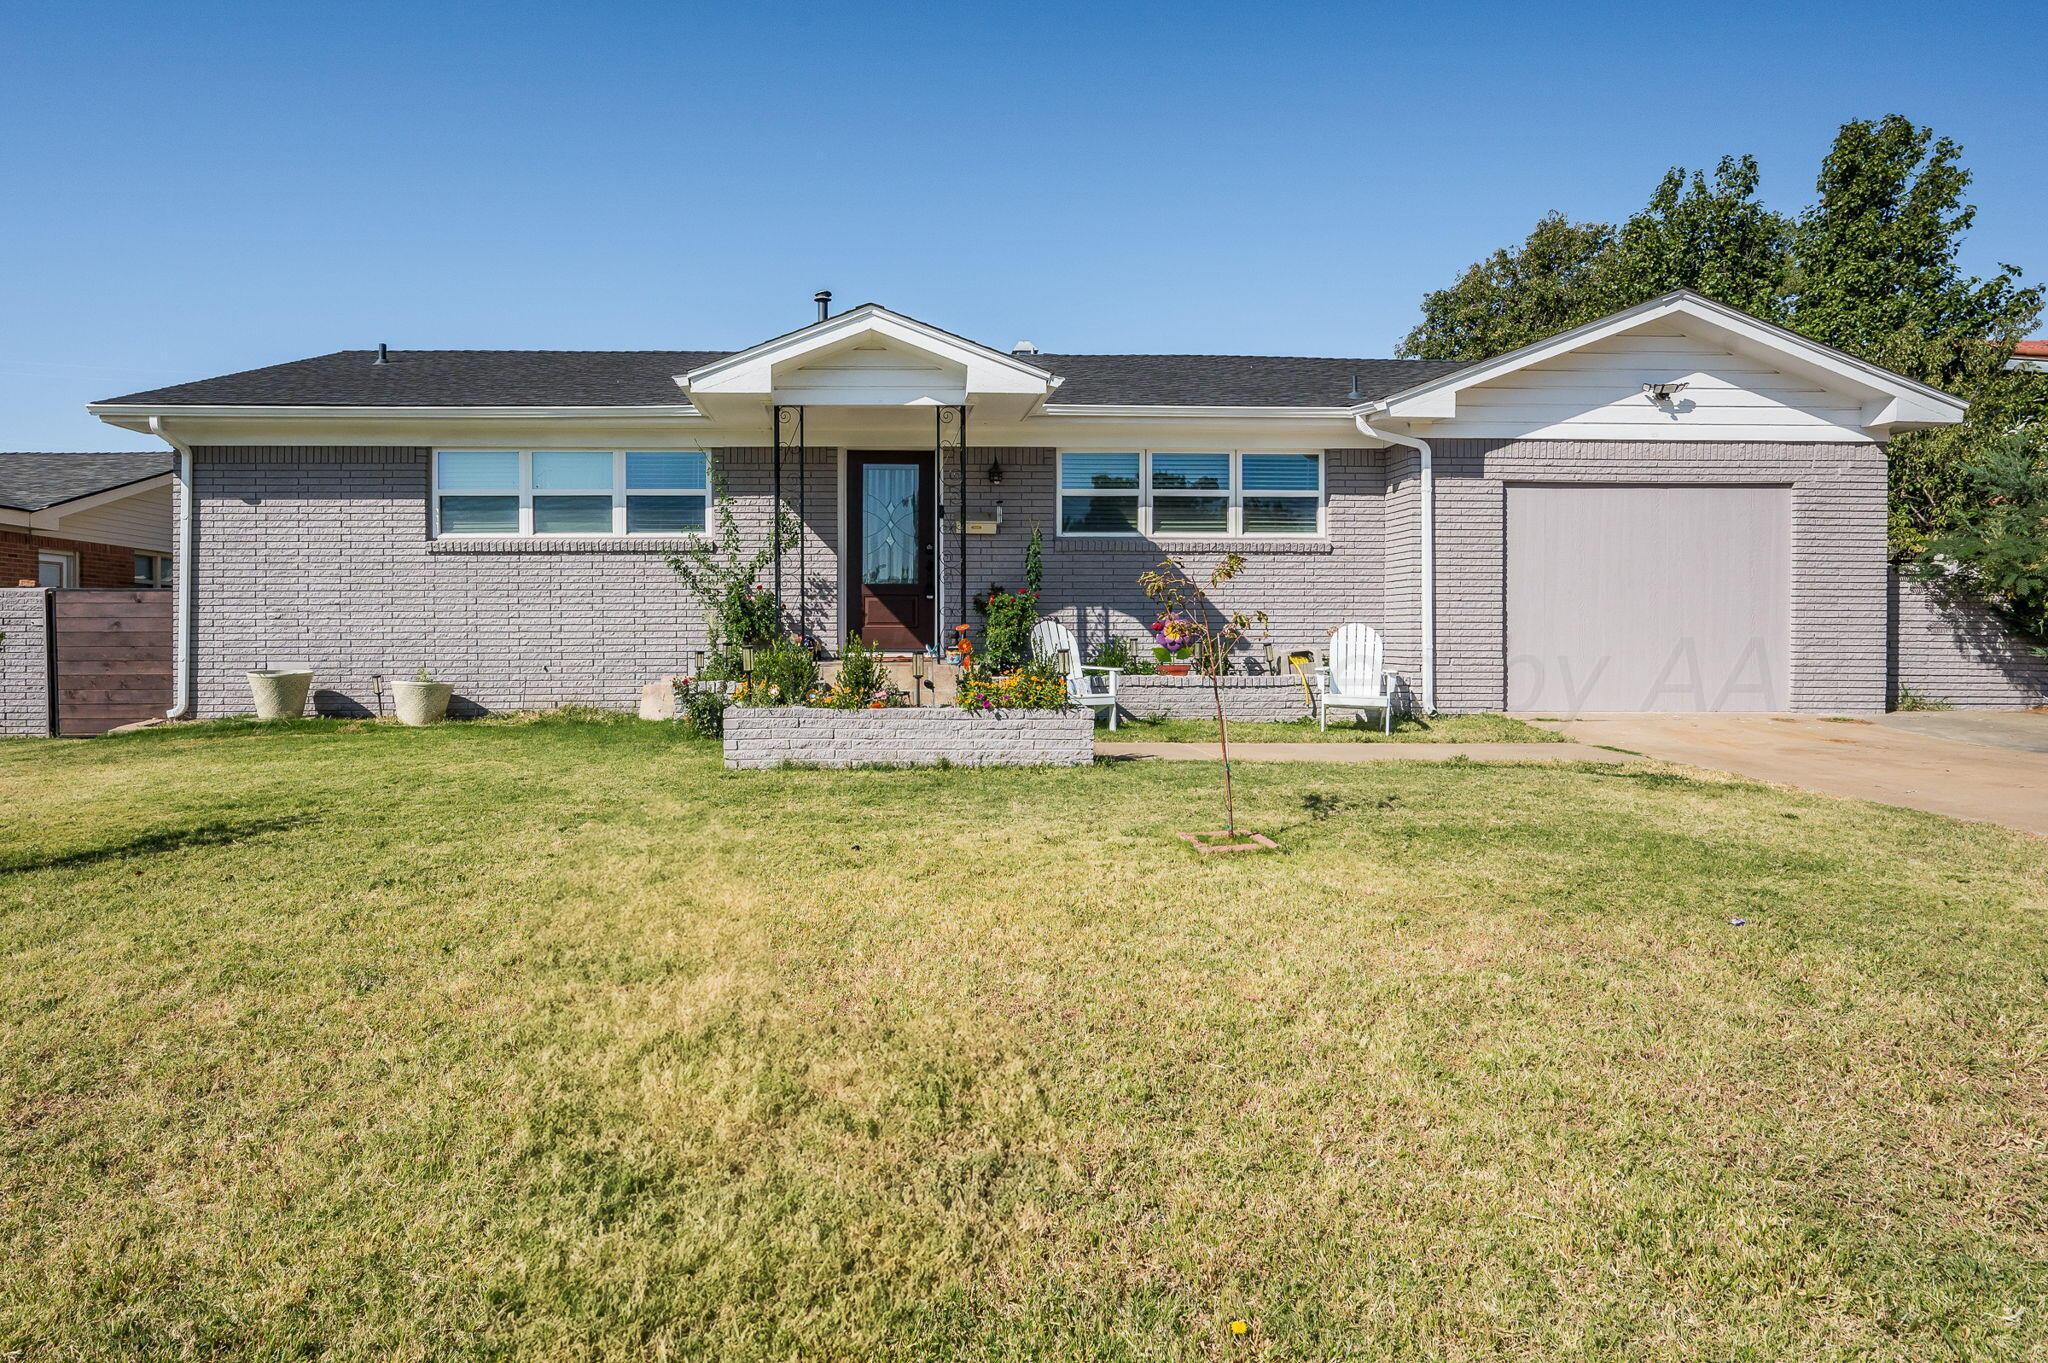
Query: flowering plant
(1173, 636)
(1036, 687)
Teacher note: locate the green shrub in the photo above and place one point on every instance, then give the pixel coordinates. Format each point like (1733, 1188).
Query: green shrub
(701, 710)
(1119, 653)
(784, 673)
(1007, 619)
(1034, 563)
(862, 679)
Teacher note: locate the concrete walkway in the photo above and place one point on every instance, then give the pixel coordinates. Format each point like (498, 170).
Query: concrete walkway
(2013, 730)
(1864, 759)
(1365, 752)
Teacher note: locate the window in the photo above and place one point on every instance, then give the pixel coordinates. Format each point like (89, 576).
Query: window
(152, 570)
(1215, 493)
(56, 568)
(1099, 494)
(570, 492)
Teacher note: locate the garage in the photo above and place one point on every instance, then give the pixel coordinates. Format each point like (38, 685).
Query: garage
(1648, 598)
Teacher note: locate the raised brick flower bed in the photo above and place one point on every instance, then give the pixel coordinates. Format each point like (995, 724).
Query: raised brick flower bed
(776, 736)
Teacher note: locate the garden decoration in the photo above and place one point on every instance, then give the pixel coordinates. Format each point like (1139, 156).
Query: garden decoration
(1173, 642)
(1207, 636)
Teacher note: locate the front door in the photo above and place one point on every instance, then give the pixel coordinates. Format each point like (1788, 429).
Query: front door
(889, 529)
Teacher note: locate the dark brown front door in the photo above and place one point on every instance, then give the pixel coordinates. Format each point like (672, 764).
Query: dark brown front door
(889, 529)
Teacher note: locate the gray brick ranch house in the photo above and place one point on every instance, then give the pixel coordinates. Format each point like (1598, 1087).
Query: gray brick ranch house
(1678, 507)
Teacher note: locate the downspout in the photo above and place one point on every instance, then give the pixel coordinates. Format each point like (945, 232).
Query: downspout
(1421, 447)
(181, 627)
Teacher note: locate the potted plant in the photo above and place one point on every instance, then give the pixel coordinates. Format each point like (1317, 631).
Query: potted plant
(1173, 635)
(279, 694)
(422, 700)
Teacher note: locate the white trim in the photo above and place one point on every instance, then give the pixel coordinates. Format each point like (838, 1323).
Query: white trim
(182, 603)
(617, 492)
(108, 411)
(1902, 403)
(1184, 411)
(1234, 494)
(67, 565)
(1421, 446)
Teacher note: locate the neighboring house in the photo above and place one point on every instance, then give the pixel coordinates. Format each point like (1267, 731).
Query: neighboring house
(1678, 507)
(85, 520)
(2029, 355)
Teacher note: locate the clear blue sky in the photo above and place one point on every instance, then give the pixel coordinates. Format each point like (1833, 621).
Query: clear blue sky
(189, 189)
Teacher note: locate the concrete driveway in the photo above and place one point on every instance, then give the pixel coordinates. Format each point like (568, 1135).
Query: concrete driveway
(1991, 767)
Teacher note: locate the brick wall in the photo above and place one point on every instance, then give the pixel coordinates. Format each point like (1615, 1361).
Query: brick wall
(99, 565)
(321, 557)
(1244, 698)
(776, 736)
(24, 663)
(1838, 569)
(1958, 653)
(1307, 587)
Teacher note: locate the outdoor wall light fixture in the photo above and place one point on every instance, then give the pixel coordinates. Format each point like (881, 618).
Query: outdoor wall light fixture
(995, 473)
(1662, 393)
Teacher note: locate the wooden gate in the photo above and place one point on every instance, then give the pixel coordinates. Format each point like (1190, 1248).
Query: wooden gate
(110, 658)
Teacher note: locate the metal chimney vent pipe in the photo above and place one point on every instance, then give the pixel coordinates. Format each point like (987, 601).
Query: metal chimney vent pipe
(383, 354)
(823, 298)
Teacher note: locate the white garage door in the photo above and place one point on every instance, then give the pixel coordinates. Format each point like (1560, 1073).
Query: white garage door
(1648, 598)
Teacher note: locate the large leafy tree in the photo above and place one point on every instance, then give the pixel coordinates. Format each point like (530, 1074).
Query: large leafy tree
(1516, 295)
(1711, 236)
(1875, 273)
(1871, 267)
(1996, 548)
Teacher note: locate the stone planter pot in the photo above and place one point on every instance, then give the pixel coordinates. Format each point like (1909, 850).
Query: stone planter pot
(421, 703)
(280, 695)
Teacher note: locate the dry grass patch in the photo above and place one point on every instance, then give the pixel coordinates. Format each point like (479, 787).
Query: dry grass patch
(557, 1040)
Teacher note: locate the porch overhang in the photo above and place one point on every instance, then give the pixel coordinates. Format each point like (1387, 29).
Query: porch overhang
(867, 358)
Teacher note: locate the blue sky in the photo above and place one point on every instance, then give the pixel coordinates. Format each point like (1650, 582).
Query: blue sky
(195, 189)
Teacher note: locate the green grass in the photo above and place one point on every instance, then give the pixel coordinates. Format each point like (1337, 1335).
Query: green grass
(554, 1040)
(1351, 729)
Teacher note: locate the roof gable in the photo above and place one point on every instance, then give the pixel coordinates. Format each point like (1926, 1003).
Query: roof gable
(924, 365)
(1679, 332)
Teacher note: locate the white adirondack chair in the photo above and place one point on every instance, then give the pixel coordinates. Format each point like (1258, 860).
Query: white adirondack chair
(1094, 687)
(1354, 676)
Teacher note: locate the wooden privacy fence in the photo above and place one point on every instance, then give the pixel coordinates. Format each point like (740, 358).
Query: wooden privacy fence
(110, 658)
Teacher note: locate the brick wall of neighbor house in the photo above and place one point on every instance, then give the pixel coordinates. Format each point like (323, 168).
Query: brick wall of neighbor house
(322, 557)
(24, 663)
(1307, 587)
(1958, 653)
(1838, 551)
(99, 565)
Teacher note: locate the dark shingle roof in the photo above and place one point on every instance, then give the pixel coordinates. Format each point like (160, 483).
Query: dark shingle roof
(1231, 380)
(626, 378)
(35, 482)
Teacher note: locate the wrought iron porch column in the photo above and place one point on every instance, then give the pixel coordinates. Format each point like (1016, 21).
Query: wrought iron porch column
(955, 419)
(789, 427)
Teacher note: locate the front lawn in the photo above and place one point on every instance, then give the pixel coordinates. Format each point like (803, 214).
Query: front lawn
(555, 1040)
(1351, 729)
